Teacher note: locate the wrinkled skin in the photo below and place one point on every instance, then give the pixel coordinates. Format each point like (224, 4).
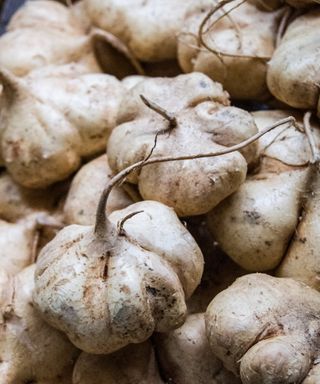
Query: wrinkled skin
(205, 123)
(17, 244)
(267, 330)
(110, 292)
(185, 357)
(134, 364)
(299, 54)
(243, 78)
(255, 225)
(52, 119)
(148, 28)
(45, 33)
(85, 190)
(30, 350)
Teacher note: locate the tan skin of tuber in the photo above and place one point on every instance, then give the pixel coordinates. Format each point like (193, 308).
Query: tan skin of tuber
(185, 357)
(87, 185)
(231, 42)
(148, 28)
(298, 53)
(45, 33)
(204, 122)
(30, 350)
(247, 229)
(266, 330)
(84, 107)
(134, 364)
(301, 261)
(116, 283)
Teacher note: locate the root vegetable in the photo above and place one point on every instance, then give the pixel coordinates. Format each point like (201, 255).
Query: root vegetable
(200, 121)
(231, 46)
(149, 29)
(17, 202)
(53, 119)
(118, 284)
(17, 244)
(266, 329)
(294, 71)
(30, 350)
(185, 356)
(134, 364)
(255, 225)
(82, 199)
(45, 32)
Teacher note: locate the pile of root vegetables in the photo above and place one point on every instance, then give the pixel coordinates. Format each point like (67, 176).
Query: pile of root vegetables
(160, 192)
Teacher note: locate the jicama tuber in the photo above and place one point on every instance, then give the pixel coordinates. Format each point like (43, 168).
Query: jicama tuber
(255, 225)
(266, 330)
(148, 28)
(232, 46)
(30, 350)
(42, 33)
(86, 187)
(134, 364)
(115, 285)
(294, 70)
(50, 120)
(185, 357)
(199, 120)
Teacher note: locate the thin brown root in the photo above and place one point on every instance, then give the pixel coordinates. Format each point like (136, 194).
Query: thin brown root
(202, 32)
(34, 246)
(287, 13)
(161, 111)
(310, 136)
(121, 231)
(100, 228)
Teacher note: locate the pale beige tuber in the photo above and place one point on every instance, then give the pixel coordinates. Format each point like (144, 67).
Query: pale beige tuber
(232, 46)
(115, 284)
(255, 225)
(44, 32)
(185, 356)
(134, 364)
(266, 330)
(50, 120)
(85, 190)
(30, 350)
(199, 120)
(294, 70)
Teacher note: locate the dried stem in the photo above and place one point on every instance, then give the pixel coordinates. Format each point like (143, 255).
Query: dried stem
(283, 24)
(310, 136)
(161, 111)
(102, 221)
(202, 31)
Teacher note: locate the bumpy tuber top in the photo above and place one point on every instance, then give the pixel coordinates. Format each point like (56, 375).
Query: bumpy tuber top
(118, 284)
(51, 119)
(267, 330)
(189, 114)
